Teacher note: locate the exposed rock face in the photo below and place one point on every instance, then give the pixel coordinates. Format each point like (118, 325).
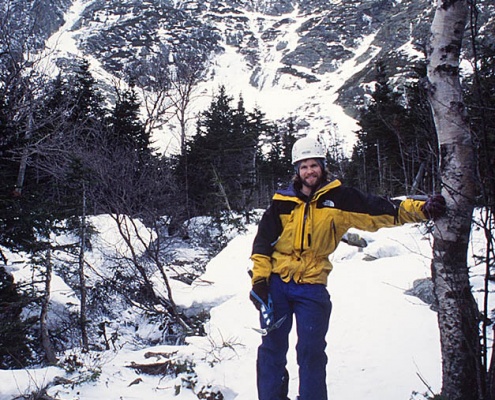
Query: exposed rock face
(286, 43)
(120, 32)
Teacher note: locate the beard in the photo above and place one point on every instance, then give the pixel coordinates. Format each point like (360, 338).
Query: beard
(312, 182)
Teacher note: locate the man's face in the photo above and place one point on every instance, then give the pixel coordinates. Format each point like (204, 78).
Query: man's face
(310, 173)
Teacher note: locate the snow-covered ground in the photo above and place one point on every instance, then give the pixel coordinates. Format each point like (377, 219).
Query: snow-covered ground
(382, 343)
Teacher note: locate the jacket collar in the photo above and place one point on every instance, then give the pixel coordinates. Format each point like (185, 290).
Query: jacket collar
(291, 191)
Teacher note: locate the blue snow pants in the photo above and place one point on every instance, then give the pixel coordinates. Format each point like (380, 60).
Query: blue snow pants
(311, 306)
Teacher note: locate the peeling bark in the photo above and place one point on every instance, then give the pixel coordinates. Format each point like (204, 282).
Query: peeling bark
(458, 315)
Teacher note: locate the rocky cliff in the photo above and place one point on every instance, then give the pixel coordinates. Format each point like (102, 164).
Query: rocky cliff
(307, 55)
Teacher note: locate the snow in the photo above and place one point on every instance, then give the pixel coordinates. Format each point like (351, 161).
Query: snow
(382, 343)
(62, 42)
(317, 101)
(18, 382)
(279, 96)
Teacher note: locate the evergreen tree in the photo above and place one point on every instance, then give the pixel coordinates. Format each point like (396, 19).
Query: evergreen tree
(25, 206)
(275, 164)
(420, 135)
(396, 143)
(8, 169)
(84, 99)
(288, 140)
(219, 163)
(125, 166)
(272, 168)
(14, 350)
(127, 129)
(380, 135)
(256, 126)
(480, 99)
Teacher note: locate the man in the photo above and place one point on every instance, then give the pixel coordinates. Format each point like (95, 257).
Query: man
(301, 228)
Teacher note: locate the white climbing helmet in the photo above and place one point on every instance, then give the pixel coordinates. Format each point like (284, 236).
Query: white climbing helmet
(307, 147)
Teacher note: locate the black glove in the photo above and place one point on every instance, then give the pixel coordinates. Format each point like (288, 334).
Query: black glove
(434, 207)
(260, 287)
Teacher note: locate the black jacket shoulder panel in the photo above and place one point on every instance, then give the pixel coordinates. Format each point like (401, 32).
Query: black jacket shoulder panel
(352, 200)
(270, 227)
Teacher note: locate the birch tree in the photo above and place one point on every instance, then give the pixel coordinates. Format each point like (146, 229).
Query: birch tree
(462, 377)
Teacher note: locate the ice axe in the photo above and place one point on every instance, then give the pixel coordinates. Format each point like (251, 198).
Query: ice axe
(268, 316)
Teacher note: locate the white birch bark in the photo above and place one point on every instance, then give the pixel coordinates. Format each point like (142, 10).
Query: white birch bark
(462, 378)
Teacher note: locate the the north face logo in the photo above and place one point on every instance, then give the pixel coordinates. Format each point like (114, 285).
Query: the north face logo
(328, 203)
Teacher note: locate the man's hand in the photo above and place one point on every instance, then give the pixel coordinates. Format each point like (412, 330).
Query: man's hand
(260, 287)
(434, 207)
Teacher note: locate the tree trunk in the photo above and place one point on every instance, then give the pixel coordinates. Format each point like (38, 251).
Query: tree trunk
(381, 170)
(221, 188)
(127, 232)
(21, 175)
(82, 276)
(458, 313)
(418, 178)
(46, 343)
(491, 374)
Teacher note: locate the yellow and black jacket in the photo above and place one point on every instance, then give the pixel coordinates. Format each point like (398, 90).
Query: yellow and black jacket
(297, 234)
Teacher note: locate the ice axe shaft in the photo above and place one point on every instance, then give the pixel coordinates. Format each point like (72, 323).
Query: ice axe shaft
(267, 315)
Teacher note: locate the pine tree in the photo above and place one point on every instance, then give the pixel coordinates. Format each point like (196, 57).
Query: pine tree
(480, 99)
(419, 135)
(127, 129)
(275, 164)
(218, 167)
(381, 154)
(14, 350)
(84, 99)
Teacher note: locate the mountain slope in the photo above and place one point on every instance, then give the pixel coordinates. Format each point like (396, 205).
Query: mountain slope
(292, 59)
